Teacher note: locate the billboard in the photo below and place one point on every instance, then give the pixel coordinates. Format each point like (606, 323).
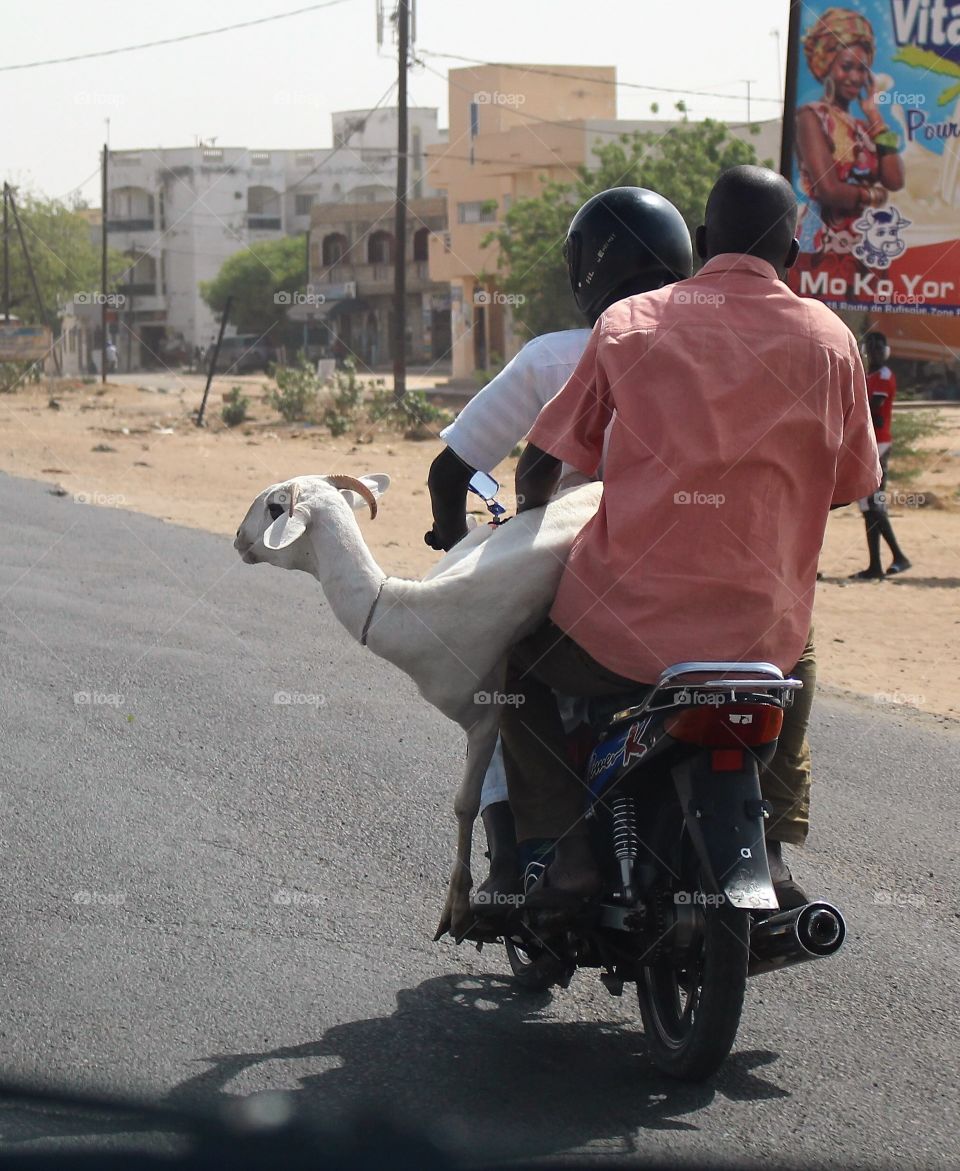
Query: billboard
(872, 147)
(24, 343)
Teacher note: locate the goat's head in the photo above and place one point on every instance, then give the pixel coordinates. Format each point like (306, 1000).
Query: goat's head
(282, 513)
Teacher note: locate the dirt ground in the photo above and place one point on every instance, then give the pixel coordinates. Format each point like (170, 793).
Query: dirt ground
(896, 641)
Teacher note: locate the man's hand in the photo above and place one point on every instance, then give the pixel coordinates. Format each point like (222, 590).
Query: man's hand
(537, 475)
(443, 544)
(447, 481)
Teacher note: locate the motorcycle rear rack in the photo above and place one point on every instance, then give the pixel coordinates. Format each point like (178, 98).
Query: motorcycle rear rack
(768, 679)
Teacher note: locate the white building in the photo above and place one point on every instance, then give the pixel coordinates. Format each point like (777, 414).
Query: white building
(179, 213)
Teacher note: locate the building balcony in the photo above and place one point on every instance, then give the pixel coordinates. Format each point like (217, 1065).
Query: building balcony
(373, 278)
(264, 223)
(131, 225)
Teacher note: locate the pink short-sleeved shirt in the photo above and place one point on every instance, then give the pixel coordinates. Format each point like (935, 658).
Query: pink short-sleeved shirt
(741, 417)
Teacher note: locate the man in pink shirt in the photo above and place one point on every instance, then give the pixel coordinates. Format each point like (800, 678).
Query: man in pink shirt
(740, 419)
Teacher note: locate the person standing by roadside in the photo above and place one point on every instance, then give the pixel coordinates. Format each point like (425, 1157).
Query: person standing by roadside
(882, 389)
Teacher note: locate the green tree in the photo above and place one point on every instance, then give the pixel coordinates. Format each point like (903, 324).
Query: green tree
(65, 256)
(254, 278)
(682, 164)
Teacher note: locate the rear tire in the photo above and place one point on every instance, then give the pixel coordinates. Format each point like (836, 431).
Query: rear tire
(691, 1008)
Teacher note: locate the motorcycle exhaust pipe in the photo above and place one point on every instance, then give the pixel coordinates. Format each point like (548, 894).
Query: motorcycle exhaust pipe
(792, 937)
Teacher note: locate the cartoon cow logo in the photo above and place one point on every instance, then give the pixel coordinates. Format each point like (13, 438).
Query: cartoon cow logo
(880, 242)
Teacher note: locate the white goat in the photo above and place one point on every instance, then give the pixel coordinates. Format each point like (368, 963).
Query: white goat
(449, 632)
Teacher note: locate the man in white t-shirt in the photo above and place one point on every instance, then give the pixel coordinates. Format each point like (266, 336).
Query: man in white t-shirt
(608, 258)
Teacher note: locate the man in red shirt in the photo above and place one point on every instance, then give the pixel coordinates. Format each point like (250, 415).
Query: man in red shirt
(740, 418)
(882, 388)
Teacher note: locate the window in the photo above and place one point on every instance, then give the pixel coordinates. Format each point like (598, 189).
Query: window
(302, 204)
(477, 212)
(421, 246)
(260, 158)
(334, 248)
(380, 248)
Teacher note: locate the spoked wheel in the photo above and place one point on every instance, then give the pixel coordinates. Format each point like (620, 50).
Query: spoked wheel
(535, 967)
(691, 1002)
(691, 991)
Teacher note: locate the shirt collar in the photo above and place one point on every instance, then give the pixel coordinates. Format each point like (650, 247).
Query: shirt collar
(739, 262)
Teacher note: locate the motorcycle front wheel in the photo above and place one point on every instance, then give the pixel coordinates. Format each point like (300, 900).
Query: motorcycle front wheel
(535, 968)
(691, 1005)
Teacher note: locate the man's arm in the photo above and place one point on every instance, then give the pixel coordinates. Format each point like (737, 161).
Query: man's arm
(492, 424)
(448, 482)
(878, 401)
(537, 476)
(858, 464)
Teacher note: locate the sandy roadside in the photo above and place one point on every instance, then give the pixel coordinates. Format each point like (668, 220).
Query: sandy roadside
(895, 641)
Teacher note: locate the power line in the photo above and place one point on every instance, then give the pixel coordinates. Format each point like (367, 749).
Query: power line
(343, 144)
(700, 93)
(210, 32)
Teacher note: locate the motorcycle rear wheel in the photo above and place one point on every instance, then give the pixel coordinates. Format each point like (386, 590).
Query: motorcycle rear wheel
(691, 1008)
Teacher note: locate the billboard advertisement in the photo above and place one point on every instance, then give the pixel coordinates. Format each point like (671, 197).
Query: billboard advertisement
(872, 147)
(24, 343)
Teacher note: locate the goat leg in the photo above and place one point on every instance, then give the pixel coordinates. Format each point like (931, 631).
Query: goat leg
(457, 918)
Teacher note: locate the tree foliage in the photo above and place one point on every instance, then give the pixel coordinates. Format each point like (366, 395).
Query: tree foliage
(65, 256)
(253, 278)
(682, 164)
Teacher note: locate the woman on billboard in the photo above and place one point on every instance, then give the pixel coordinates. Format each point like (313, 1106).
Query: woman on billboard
(847, 163)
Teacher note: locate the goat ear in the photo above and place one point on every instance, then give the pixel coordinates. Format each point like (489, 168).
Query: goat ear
(377, 482)
(284, 531)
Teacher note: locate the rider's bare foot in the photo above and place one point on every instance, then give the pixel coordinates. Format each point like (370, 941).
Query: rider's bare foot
(899, 566)
(867, 575)
(570, 879)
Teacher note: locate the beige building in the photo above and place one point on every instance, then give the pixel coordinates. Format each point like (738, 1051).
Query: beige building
(511, 127)
(352, 251)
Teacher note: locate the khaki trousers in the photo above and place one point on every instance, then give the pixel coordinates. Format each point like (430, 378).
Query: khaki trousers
(547, 794)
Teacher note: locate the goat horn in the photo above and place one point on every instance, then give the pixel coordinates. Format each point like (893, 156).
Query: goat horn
(294, 496)
(357, 486)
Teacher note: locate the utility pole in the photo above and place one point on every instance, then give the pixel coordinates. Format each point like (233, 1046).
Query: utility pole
(400, 217)
(306, 316)
(212, 368)
(31, 273)
(103, 265)
(6, 255)
(131, 281)
(748, 84)
(790, 91)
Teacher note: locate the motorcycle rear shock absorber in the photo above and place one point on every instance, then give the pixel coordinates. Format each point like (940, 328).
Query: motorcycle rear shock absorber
(626, 842)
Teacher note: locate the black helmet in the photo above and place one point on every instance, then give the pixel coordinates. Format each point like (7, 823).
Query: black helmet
(623, 241)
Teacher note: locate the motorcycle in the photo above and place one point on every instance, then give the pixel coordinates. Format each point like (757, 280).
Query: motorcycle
(688, 910)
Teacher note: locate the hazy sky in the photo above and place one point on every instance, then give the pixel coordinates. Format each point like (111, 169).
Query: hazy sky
(276, 85)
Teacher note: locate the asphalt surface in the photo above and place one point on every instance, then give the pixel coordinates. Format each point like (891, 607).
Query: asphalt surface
(207, 893)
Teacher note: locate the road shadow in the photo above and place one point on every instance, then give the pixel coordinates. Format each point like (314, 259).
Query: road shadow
(472, 1061)
(928, 583)
(898, 579)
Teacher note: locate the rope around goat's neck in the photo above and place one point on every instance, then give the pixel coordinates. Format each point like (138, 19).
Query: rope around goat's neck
(367, 624)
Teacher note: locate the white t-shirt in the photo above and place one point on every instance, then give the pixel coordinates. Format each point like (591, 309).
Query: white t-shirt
(500, 415)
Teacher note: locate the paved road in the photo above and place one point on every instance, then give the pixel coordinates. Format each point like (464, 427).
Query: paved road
(206, 892)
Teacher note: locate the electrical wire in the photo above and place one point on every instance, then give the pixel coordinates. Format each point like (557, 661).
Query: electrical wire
(210, 32)
(700, 93)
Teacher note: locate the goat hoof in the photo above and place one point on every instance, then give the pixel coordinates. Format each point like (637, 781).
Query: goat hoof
(457, 918)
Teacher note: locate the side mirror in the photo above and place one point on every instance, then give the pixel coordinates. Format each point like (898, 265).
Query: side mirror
(486, 487)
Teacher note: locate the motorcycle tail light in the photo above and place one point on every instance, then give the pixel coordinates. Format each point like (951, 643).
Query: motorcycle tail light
(732, 725)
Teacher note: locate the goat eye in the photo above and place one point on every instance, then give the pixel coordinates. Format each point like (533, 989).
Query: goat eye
(276, 511)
